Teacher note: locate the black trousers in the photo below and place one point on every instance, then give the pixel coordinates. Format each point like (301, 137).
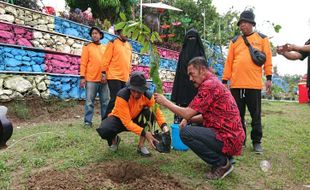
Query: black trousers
(202, 141)
(252, 99)
(114, 87)
(111, 126)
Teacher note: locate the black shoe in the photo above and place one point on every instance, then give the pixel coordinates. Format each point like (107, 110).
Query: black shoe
(232, 160)
(143, 151)
(258, 148)
(88, 125)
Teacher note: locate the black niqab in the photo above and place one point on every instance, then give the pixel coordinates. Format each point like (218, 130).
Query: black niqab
(183, 89)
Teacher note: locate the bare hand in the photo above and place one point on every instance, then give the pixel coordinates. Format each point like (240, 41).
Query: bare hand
(82, 83)
(268, 85)
(183, 123)
(160, 99)
(149, 137)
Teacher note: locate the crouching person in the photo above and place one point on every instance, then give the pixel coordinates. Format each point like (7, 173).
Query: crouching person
(131, 102)
(221, 135)
(6, 128)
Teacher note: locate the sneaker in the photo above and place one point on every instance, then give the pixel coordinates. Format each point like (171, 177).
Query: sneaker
(88, 125)
(232, 160)
(143, 151)
(114, 147)
(220, 172)
(258, 148)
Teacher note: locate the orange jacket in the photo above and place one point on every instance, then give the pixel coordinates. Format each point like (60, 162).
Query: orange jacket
(239, 67)
(117, 60)
(127, 108)
(91, 65)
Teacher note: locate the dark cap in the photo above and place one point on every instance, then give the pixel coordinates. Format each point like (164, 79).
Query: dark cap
(137, 82)
(247, 16)
(98, 29)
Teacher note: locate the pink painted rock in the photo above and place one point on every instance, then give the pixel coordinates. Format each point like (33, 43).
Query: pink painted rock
(24, 42)
(61, 58)
(6, 34)
(5, 27)
(19, 30)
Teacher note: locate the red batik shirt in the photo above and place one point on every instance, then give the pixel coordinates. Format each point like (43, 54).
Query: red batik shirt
(220, 113)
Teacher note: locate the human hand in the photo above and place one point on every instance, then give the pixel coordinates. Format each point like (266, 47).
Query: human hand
(82, 83)
(149, 137)
(160, 99)
(280, 50)
(268, 85)
(183, 123)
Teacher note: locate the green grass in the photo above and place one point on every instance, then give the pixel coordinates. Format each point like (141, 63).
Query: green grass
(61, 146)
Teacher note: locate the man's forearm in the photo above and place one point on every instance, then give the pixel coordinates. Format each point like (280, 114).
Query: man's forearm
(183, 112)
(292, 55)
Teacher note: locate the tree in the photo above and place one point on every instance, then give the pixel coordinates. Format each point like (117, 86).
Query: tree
(105, 9)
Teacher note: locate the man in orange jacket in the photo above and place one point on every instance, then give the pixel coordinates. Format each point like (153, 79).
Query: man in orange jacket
(117, 65)
(131, 102)
(246, 77)
(92, 78)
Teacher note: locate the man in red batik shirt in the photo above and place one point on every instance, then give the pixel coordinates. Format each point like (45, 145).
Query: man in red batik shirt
(221, 135)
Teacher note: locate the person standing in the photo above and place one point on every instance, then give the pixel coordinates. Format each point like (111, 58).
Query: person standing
(117, 65)
(192, 47)
(246, 77)
(92, 78)
(294, 52)
(220, 135)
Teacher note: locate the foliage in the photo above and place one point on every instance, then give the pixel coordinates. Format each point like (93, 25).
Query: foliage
(104, 9)
(136, 30)
(30, 4)
(77, 16)
(20, 109)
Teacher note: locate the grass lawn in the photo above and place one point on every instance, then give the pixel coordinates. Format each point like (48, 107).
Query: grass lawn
(67, 146)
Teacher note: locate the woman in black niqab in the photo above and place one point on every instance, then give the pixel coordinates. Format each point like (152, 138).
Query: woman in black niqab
(183, 90)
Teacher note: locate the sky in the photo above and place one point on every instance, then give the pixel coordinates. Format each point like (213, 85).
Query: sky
(294, 18)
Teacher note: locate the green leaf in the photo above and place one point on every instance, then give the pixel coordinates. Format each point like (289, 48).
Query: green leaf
(153, 37)
(277, 28)
(123, 17)
(135, 34)
(145, 28)
(120, 25)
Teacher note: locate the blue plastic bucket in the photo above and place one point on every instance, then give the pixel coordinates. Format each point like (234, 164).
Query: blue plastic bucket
(177, 143)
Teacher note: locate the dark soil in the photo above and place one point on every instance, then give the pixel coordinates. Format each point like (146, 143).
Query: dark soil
(108, 175)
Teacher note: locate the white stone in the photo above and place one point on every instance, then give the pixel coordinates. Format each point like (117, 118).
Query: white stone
(61, 39)
(7, 92)
(28, 18)
(36, 16)
(16, 95)
(42, 21)
(77, 46)
(41, 86)
(19, 21)
(35, 92)
(47, 36)
(18, 83)
(11, 10)
(4, 98)
(37, 35)
(7, 18)
(47, 82)
(45, 94)
(41, 27)
(32, 23)
(49, 43)
(42, 41)
(50, 26)
(1, 83)
(2, 11)
(38, 79)
(70, 41)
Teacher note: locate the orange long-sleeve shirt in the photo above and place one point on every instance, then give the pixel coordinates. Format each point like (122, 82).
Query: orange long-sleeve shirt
(127, 108)
(239, 67)
(91, 65)
(117, 60)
